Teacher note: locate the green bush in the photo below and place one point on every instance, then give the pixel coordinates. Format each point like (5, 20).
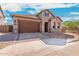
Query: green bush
(71, 24)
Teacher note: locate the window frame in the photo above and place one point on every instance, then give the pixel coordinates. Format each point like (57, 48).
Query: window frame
(14, 22)
(46, 14)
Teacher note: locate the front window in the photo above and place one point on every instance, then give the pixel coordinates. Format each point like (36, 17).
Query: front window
(58, 25)
(14, 22)
(46, 14)
(54, 25)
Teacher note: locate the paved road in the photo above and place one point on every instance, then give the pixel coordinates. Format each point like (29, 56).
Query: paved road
(39, 48)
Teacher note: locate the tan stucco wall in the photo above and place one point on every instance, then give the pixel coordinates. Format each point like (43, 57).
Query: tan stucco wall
(56, 21)
(44, 19)
(50, 23)
(15, 26)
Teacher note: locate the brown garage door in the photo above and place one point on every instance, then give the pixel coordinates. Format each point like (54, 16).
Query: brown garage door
(28, 26)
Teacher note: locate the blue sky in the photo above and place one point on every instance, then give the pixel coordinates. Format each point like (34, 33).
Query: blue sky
(66, 11)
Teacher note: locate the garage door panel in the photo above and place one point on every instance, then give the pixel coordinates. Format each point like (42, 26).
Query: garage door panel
(28, 26)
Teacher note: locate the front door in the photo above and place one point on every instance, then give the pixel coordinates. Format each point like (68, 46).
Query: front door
(46, 26)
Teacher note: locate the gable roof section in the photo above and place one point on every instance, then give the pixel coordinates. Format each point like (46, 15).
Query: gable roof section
(56, 17)
(43, 11)
(59, 18)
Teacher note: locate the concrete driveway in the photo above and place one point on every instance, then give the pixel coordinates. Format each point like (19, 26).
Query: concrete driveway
(8, 37)
(23, 36)
(48, 38)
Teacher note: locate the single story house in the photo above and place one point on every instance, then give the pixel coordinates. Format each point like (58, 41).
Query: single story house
(44, 21)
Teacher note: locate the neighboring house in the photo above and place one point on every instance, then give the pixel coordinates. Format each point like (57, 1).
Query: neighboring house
(44, 21)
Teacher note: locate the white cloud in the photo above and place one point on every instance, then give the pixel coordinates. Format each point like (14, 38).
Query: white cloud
(39, 7)
(12, 7)
(70, 18)
(54, 5)
(18, 7)
(76, 13)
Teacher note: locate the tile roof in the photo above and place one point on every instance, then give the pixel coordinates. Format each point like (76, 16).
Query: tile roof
(59, 18)
(26, 16)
